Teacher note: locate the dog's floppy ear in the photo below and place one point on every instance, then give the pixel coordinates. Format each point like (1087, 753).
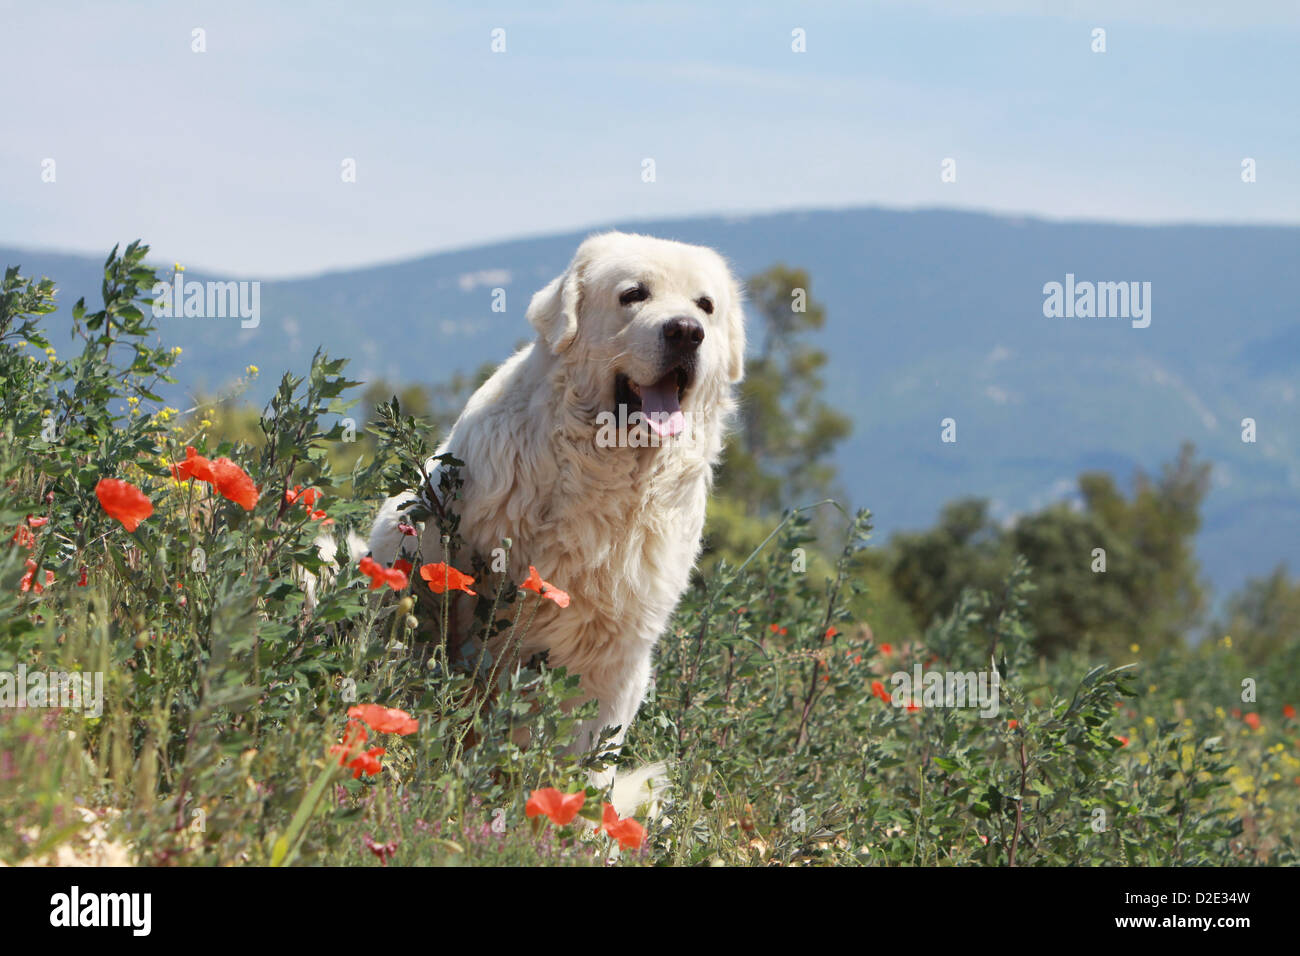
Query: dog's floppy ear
(554, 310)
(736, 334)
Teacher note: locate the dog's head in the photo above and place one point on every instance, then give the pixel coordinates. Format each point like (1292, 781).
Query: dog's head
(650, 324)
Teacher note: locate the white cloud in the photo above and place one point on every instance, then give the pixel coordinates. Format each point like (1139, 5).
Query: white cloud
(1174, 13)
(491, 278)
(999, 395)
(464, 328)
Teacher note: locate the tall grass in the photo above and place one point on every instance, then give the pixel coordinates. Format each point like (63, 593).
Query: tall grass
(223, 695)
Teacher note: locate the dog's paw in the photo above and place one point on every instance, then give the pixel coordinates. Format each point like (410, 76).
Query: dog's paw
(641, 792)
(385, 534)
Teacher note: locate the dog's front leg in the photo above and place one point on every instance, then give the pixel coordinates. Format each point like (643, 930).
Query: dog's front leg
(619, 686)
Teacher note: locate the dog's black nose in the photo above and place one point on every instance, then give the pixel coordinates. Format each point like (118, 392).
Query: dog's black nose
(683, 333)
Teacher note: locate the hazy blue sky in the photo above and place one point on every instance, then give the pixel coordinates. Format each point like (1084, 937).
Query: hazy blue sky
(230, 160)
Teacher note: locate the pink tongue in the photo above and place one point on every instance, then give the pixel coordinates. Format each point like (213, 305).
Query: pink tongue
(659, 404)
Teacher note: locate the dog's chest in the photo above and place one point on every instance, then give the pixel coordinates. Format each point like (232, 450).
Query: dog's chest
(623, 546)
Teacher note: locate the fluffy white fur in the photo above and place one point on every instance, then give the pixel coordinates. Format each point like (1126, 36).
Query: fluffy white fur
(617, 527)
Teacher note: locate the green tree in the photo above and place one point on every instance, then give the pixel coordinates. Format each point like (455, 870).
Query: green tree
(778, 454)
(1148, 593)
(1073, 604)
(1263, 618)
(1155, 566)
(965, 549)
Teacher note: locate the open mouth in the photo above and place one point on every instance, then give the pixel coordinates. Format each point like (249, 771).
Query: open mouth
(659, 402)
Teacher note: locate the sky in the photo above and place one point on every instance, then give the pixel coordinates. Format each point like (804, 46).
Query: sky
(232, 160)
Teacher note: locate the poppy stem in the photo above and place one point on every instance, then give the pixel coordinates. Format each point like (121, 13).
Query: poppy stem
(285, 849)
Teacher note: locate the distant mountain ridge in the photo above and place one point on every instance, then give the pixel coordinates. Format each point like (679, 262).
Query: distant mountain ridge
(931, 314)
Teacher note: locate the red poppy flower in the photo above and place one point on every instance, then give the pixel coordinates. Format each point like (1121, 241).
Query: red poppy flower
(1123, 741)
(561, 808)
(83, 581)
(878, 690)
(233, 482)
(380, 575)
(354, 735)
(831, 632)
(37, 522)
(123, 501)
(629, 834)
(308, 497)
(194, 466)
(24, 538)
(29, 582)
(385, 720)
(401, 564)
(1252, 720)
(886, 649)
(913, 707)
(544, 588)
(367, 763)
(443, 577)
(1288, 712)
(360, 762)
(1013, 724)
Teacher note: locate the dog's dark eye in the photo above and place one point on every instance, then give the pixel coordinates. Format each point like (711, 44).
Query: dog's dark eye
(706, 304)
(638, 293)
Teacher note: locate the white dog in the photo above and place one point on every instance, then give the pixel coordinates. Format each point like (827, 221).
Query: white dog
(612, 516)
